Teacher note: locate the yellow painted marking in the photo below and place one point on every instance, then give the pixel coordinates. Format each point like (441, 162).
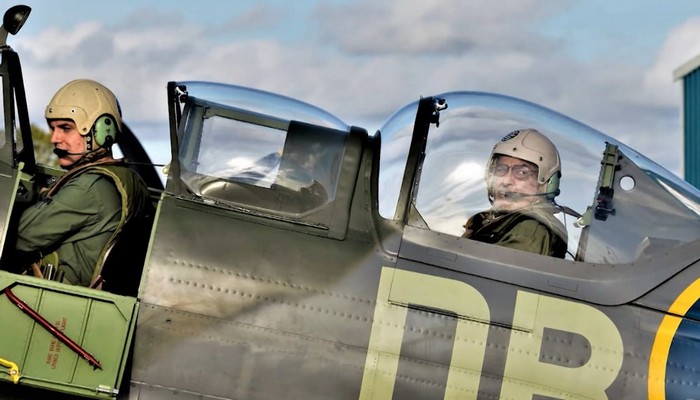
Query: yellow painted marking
(397, 289)
(664, 336)
(525, 375)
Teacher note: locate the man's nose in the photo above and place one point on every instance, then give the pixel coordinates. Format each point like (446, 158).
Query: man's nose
(55, 136)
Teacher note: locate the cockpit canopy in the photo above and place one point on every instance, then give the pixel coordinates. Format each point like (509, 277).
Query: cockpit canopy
(261, 152)
(629, 205)
(264, 153)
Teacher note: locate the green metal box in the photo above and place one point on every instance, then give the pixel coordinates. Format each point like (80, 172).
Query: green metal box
(100, 323)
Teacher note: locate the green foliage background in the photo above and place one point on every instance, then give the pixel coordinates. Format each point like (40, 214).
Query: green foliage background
(43, 149)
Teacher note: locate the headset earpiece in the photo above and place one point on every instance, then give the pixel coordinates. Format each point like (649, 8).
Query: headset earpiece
(105, 131)
(553, 186)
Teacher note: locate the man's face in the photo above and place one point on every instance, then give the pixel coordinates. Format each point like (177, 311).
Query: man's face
(65, 136)
(509, 179)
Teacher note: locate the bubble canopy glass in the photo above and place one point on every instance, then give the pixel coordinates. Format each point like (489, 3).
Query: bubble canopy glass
(651, 209)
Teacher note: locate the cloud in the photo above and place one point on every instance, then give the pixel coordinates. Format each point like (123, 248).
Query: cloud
(416, 48)
(132, 57)
(444, 28)
(46, 47)
(680, 46)
(258, 18)
(364, 60)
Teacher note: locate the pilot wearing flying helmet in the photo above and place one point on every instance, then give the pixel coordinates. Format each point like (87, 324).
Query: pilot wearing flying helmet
(68, 233)
(522, 180)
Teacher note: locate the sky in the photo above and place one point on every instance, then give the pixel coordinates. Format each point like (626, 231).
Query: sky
(608, 64)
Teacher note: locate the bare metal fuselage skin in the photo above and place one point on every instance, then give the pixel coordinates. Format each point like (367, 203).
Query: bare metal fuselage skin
(286, 282)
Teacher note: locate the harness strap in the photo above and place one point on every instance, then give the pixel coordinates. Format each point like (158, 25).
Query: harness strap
(100, 166)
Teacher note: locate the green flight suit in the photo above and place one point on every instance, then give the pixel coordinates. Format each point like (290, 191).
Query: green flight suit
(81, 217)
(535, 230)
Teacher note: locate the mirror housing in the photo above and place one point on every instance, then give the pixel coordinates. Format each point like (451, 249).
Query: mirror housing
(12, 21)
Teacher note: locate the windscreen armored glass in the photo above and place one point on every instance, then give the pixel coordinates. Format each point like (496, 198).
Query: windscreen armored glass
(257, 160)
